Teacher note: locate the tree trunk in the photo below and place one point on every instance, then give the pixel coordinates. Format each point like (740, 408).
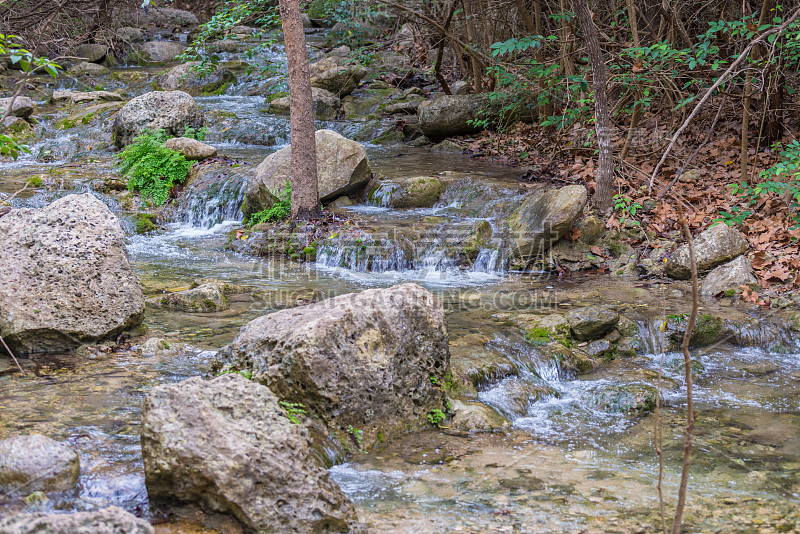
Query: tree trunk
(604, 180)
(305, 197)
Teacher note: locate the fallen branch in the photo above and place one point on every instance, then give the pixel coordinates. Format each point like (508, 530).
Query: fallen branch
(745, 53)
(12, 356)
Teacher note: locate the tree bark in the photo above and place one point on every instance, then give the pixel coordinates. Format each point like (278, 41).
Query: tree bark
(305, 196)
(604, 180)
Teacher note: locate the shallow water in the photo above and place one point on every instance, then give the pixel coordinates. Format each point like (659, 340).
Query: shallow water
(562, 466)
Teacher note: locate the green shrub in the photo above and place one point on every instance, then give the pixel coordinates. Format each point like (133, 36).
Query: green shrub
(279, 211)
(153, 169)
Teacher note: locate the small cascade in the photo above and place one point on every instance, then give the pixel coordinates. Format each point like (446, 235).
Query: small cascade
(203, 204)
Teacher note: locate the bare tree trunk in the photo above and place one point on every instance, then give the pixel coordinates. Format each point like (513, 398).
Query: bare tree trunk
(305, 196)
(604, 181)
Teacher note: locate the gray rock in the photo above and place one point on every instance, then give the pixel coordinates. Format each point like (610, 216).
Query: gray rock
(171, 111)
(161, 17)
(337, 75)
(130, 35)
(417, 192)
(36, 463)
(591, 322)
(404, 108)
(460, 87)
(192, 149)
(714, 246)
(16, 125)
(65, 277)
(229, 46)
(450, 115)
(93, 53)
(84, 68)
(629, 347)
(183, 78)
(364, 359)
(599, 348)
(342, 168)
(206, 298)
(326, 105)
(111, 520)
(477, 417)
(77, 97)
(227, 445)
(623, 398)
(159, 51)
(544, 218)
(22, 107)
(729, 277)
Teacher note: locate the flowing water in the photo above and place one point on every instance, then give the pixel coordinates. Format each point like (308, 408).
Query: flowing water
(562, 465)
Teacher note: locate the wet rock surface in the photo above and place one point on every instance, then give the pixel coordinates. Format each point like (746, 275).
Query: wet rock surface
(544, 218)
(591, 322)
(34, 462)
(184, 78)
(228, 445)
(112, 520)
(65, 276)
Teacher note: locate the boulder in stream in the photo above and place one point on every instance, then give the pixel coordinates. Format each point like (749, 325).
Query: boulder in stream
(85, 68)
(326, 105)
(207, 298)
(65, 278)
(172, 111)
(337, 75)
(183, 78)
(416, 192)
(365, 361)
(158, 51)
(229, 446)
(78, 97)
(544, 218)
(93, 53)
(714, 246)
(111, 520)
(192, 149)
(450, 115)
(36, 463)
(22, 106)
(591, 322)
(342, 168)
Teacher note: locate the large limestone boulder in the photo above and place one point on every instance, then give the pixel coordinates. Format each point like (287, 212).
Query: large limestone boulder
(192, 149)
(544, 218)
(326, 105)
(111, 520)
(159, 51)
(714, 246)
(363, 361)
(227, 445)
(183, 78)
(79, 97)
(342, 168)
(451, 115)
(84, 68)
(93, 53)
(729, 277)
(172, 111)
(337, 75)
(36, 463)
(22, 106)
(591, 322)
(65, 278)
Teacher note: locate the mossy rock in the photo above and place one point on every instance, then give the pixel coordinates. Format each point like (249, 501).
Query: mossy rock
(571, 362)
(89, 114)
(544, 329)
(709, 330)
(635, 399)
(390, 137)
(677, 365)
(480, 235)
(472, 359)
(477, 417)
(207, 298)
(145, 223)
(275, 96)
(419, 192)
(130, 76)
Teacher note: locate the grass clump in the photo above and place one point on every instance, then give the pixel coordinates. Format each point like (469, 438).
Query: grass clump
(280, 210)
(153, 169)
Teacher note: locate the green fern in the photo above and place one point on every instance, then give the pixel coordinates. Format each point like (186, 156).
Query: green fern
(280, 210)
(152, 169)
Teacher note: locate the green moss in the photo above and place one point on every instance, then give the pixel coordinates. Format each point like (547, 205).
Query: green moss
(275, 96)
(35, 181)
(707, 331)
(145, 223)
(218, 90)
(537, 336)
(310, 252)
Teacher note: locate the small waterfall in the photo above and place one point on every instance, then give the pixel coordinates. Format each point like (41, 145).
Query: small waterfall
(206, 203)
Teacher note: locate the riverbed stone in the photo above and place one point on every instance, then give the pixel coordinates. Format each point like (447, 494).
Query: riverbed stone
(364, 360)
(342, 168)
(227, 445)
(206, 298)
(22, 106)
(93, 53)
(159, 51)
(600, 348)
(111, 520)
(337, 75)
(183, 78)
(591, 322)
(130, 35)
(65, 278)
(84, 68)
(477, 417)
(714, 246)
(36, 463)
(78, 97)
(634, 399)
(418, 192)
(516, 395)
(326, 105)
(192, 149)
(729, 277)
(544, 218)
(451, 115)
(172, 111)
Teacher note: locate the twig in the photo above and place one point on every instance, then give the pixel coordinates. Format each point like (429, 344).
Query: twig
(12, 356)
(687, 360)
(742, 56)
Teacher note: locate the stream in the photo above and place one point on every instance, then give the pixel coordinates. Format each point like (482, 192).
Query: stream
(562, 466)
